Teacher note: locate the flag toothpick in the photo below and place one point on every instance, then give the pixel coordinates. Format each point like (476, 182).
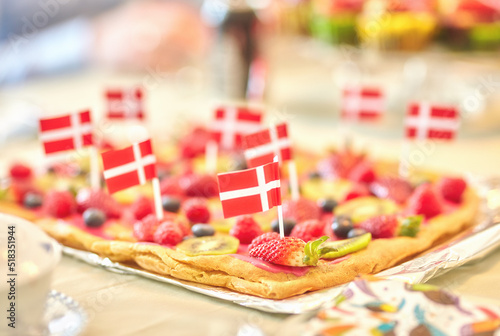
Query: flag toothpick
(211, 152)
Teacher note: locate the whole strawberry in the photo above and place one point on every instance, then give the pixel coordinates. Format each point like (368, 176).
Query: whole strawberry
(263, 238)
(309, 230)
(144, 229)
(301, 210)
(245, 229)
(142, 207)
(59, 203)
(289, 251)
(452, 189)
(168, 233)
(196, 210)
(383, 226)
(425, 201)
(99, 199)
(196, 185)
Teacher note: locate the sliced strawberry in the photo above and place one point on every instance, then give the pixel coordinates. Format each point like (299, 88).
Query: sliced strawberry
(59, 204)
(425, 201)
(301, 210)
(245, 229)
(383, 226)
(393, 188)
(196, 185)
(309, 230)
(99, 199)
(452, 189)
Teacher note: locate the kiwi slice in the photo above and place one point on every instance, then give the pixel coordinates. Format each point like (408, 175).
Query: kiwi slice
(212, 245)
(362, 208)
(339, 248)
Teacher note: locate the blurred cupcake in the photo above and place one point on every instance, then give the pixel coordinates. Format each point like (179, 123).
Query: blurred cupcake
(472, 25)
(334, 21)
(407, 25)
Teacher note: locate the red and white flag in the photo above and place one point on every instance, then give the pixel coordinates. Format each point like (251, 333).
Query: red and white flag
(362, 104)
(230, 124)
(69, 132)
(261, 147)
(424, 121)
(128, 167)
(250, 191)
(125, 103)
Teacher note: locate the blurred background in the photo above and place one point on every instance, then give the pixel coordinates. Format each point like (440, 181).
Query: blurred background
(294, 56)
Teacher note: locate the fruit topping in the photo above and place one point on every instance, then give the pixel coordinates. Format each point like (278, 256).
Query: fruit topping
(340, 248)
(425, 201)
(170, 204)
(382, 226)
(327, 204)
(168, 233)
(363, 208)
(308, 230)
(362, 173)
(245, 229)
(99, 199)
(59, 203)
(196, 210)
(32, 200)
(358, 190)
(393, 188)
(170, 186)
(19, 171)
(144, 229)
(212, 245)
(452, 189)
(288, 225)
(263, 238)
(20, 188)
(195, 185)
(194, 143)
(355, 232)
(202, 230)
(301, 209)
(142, 207)
(94, 217)
(341, 226)
(410, 226)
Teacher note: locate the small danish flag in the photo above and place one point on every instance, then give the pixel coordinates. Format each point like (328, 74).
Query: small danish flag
(424, 121)
(261, 147)
(232, 123)
(362, 104)
(69, 132)
(249, 191)
(125, 103)
(128, 167)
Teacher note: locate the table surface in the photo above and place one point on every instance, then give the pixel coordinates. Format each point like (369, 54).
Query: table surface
(130, 305)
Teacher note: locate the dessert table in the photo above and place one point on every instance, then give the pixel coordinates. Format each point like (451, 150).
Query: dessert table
(119, 304)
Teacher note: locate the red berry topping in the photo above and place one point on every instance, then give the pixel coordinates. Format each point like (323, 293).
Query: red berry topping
(383, 226)
(339, 165)
(20, 188)
(196, 210)
(144, 229)
(301, 210)
(309, 230)
(142, 207)
(99, 199)
(194, 144)
(200, 185)
(425, 201)
(358, 190)
(59, 203)
(263, 238)
(170, 186)
(168, 233)
(393, 188)
(452, 189)
(362, 173)
(19, 171)
(245, 229)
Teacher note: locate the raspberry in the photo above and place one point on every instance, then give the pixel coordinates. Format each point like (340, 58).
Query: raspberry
(452, 189)
(393, 188)
(245, 229)
(196, 210)
(362, 173)
(168, 233)
(59, 203)
(193, 144)
(19, 171)
(144, 229)
(383, 226)
(199, 185)
(309, 230)
(425, 201)
(142, 207)
(359, 190)
(301, 210)
(97, 198)
(263, 238)
(170, 186)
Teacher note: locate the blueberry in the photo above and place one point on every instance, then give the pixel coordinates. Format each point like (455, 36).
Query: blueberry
(327, 204)
(202, 230)
(288, 225)
(356, 232)
(32, 200)
(94, 217)
(170, 204)
(314, 175)
(341, 226)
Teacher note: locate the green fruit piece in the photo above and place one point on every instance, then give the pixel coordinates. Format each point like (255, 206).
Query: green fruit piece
(363, 208)
(339, 248)
(210, 245)
(410, 226)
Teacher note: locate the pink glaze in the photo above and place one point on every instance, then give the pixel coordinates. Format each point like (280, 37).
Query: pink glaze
(339, 260)
(297, 271)
(243, 249)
